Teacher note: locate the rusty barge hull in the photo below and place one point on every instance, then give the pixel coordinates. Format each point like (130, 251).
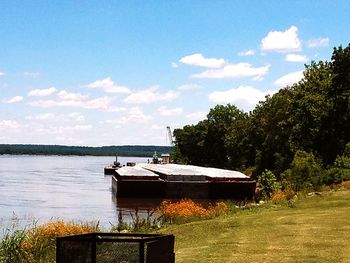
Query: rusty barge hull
(181, 181)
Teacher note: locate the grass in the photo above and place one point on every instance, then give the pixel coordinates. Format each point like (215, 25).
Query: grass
(317, 229)
(307, 229)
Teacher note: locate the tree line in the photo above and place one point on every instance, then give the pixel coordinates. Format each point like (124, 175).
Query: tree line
(301, 133)
(125, 150)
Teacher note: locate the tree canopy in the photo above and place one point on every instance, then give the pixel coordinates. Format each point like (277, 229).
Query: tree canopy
(309, 117)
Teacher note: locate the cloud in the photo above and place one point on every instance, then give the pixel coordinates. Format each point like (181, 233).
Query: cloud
(174, 65)
(199, 60)
(296, 58)
(32, 74)
(157, 127)
(41, 92)
(15, 99)
(197, 116)
(8, 124)
(70, 99)
(190, 87)
(164, 111)
(150, 95)
(70, 96)
(135, 115)
(70, 117)
(108, 85)
(239, 70)
(63, 129)
(245, 96)
(282, 41)
(41, 117)
(76, 116)
(289, 79)
(2, 73)
(318, 42)
(245, 53)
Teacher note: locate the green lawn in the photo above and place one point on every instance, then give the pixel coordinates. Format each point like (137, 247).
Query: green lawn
(316, 230)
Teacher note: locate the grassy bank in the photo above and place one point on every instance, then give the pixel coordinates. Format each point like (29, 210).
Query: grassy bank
(312, 228)
(317, 229)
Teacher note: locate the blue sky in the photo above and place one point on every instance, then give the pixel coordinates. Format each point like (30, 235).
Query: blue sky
(118, 72)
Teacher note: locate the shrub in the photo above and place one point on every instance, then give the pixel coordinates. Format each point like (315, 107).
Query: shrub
(187, 209)
(305, 172)
(268, 184)
(285, 197)
(340, 170)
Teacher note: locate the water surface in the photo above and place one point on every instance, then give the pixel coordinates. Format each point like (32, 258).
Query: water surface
(66, 187)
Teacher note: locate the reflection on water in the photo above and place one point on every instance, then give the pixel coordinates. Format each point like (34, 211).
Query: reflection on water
(49, 187)
(128, 207)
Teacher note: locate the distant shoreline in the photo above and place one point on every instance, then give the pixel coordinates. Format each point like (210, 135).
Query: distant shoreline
(61, 150)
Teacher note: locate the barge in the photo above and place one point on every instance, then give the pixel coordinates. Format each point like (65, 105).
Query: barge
(181, 181)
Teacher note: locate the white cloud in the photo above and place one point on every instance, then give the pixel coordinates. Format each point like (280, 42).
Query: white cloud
(296, 58)
(32, 74)
(174, 65)
(98, 103)
(289, 79)
(157, 127)
(63, 129)
(150, 95)
(70, 99)
(115, 109)
(41, 92)
(2, 73)
(318, 42)
(41, 117)
(15, 99)
(282, 41)
(8, 124)
(190, 87)
(135, 115)
(239, 70)
(164, 111)
(76, 116)
(245, 53)
(245, 96)
(197, 116)
(70, 96)
(108, 85)
(199, 60)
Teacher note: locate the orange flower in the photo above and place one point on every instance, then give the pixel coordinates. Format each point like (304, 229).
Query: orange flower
(187, 208)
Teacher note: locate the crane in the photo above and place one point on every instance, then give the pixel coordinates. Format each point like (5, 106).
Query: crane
(170, 136)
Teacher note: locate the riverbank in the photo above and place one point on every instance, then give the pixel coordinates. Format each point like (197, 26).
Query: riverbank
(311, 227)
(315, 229)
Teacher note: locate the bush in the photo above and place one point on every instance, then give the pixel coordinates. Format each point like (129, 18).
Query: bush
(268, 184)
(306, 172)
(186, 209)
(340, 170)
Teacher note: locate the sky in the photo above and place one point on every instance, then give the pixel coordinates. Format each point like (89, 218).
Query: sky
(97, 73)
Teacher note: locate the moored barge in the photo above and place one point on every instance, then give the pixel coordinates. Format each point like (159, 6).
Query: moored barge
(181, 181)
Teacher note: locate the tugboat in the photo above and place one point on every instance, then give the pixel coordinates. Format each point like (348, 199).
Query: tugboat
(111, 169)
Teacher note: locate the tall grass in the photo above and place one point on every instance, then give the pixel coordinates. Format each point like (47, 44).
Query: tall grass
(37, 243)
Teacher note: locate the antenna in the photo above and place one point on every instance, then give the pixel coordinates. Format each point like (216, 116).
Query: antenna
(170, 136)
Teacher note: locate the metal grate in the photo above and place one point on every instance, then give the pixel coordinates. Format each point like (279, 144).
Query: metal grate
(115, 248)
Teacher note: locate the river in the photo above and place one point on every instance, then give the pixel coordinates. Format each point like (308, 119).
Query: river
(58, 187)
